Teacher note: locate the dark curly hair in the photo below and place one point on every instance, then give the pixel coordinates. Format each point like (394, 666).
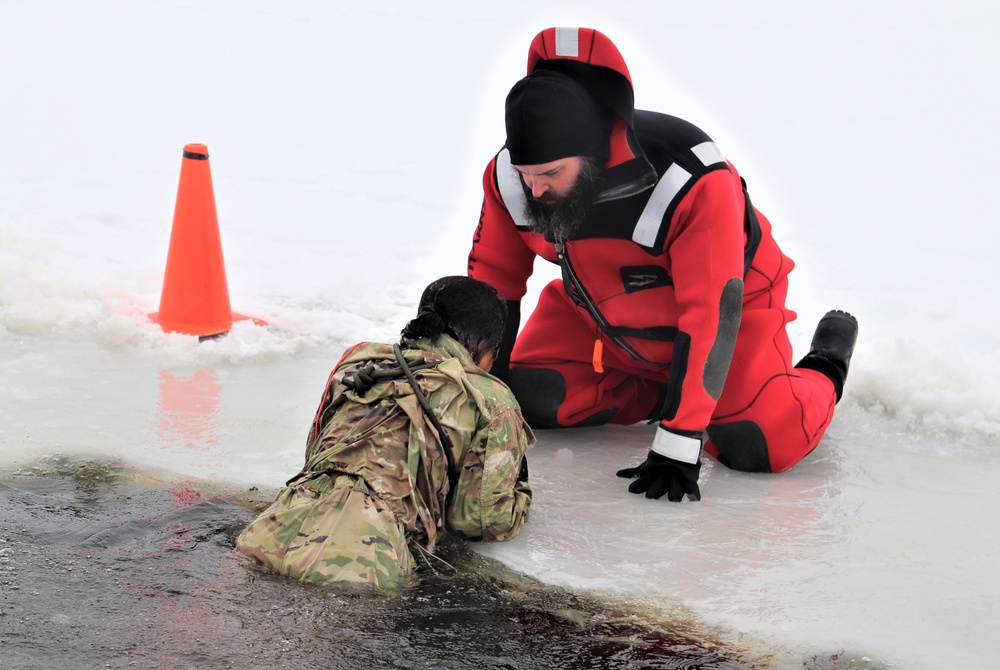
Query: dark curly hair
(467, 309)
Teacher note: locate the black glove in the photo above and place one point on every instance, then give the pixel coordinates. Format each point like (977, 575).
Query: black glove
(658, 475)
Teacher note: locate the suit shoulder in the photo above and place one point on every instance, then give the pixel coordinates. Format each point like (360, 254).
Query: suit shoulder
(667, 140)
(658, 128)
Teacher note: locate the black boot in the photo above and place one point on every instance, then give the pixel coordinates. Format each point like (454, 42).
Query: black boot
(831, 348)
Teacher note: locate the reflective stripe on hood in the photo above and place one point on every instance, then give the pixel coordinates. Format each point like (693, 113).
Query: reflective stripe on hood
(590, 47)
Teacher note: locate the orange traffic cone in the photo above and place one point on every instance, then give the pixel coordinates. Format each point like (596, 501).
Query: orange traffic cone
(195, 297)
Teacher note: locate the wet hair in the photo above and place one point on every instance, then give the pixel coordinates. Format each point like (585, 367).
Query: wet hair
(467, 309)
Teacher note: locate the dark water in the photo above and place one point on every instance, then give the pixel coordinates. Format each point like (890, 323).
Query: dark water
(104, 567)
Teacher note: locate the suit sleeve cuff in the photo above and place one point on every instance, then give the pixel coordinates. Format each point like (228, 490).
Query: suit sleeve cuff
(678, 447)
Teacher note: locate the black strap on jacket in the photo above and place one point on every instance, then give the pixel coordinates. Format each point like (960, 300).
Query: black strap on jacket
(365, 378)
(442, 436)
(752, 227)
(575, 290)
(361, 382)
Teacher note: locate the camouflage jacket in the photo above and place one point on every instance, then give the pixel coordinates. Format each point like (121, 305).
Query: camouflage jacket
(377, 434)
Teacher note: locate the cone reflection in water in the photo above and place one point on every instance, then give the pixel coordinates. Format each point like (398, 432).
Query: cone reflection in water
(195, 297)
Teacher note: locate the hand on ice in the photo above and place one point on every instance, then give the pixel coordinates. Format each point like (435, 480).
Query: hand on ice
(658, 475)
(671, 466)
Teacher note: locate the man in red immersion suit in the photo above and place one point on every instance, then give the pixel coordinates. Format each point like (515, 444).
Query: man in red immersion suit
(671, 307)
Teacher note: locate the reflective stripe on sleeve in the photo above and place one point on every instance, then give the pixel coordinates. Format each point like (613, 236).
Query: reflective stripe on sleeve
(677, 447)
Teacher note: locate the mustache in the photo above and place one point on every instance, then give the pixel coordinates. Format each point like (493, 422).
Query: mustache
(547, 198)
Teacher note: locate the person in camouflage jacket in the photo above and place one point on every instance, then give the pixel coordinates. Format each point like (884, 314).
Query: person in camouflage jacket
(384, 479)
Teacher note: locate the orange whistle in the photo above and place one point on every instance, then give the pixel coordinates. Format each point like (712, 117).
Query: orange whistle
(598, 356)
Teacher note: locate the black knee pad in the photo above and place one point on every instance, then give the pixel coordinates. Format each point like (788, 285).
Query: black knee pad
(541, 392)
(742, 445)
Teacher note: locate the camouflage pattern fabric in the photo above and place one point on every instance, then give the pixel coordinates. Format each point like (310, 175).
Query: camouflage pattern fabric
(376, 477)
(322, 530)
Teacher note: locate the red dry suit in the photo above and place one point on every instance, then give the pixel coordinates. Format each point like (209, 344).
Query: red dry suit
(672, 302)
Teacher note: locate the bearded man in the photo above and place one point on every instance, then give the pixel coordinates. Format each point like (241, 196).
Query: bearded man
(671, 307)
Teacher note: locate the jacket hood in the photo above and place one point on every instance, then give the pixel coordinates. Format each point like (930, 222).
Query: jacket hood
(590, 58)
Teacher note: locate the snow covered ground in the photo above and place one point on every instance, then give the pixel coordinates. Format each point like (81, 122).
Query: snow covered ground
(347, 145)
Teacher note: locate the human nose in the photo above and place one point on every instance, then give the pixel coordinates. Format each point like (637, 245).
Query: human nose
(538, 187)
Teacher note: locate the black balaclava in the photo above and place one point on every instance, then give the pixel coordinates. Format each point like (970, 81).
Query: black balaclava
(549, 117)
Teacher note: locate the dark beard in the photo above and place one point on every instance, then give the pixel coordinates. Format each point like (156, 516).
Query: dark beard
(558, 221)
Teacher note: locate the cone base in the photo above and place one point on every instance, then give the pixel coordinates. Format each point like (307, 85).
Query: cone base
(203, 330)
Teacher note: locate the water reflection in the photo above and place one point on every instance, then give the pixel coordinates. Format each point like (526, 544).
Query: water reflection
(188, 411)
(131, 579)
